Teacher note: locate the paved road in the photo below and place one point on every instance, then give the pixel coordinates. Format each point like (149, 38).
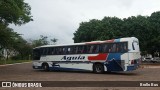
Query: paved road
(24, 72)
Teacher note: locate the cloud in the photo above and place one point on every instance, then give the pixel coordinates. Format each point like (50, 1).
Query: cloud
(60, 18)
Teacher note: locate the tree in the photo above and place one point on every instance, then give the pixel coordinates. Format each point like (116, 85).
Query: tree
(145, 28)
(14, 11)
(22, 49)
(54, 40)
(7, 36)
(83, 32)
(106, 28)
(43, 40)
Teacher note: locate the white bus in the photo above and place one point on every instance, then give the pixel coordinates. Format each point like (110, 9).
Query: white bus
(121, 54)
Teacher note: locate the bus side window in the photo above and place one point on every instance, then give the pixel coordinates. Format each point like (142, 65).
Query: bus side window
(97, 48)
(122, 47)
(64, 50)
(51, 51)
(118, 47)
(68, 50)
(88, 48)
(94, 49)
(75, 51)
(91, 49)
(80, 49)
(113, 48)
(84, 49)
(57, 52)
(60, 50)
(106, 48)
(72, 50)
(44, 51)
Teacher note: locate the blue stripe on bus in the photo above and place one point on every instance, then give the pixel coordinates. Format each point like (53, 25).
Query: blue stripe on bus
(66, 69)
(115, 56)
(117, 40)
(114, 62)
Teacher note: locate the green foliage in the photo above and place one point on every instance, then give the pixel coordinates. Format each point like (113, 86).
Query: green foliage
(23, 48)
(7, 36)
(145, 28)
(14, 11)
(54, 40)
(43, 40)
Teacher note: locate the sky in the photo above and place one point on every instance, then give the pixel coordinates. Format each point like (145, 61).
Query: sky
(61, 18)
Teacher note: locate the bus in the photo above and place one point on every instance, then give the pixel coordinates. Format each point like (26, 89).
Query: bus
(121, 54)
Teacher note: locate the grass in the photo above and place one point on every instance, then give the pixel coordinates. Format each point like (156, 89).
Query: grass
(2, 62)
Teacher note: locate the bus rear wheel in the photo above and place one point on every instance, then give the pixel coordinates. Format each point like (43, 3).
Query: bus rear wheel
(98, 68)
(45, 67)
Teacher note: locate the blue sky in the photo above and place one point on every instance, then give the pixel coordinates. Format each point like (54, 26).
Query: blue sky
(60, 18)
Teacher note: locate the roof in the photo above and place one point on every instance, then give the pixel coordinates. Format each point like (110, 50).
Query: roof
(84, 43)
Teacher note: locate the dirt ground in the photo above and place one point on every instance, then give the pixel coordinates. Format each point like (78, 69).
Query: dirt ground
(24, 72)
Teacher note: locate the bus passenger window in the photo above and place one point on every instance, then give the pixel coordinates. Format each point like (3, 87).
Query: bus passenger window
(59, 51)
(103, 48)
(50, 51)
(80, 49)
(64, 50)
(113, 48)
(75, 50)
(56, 51)
(88, 48)
(97, 49)
(85, 49)
(44, 51)
(91, 49)
(71, 50)
(122, 47)
(106, 48)
(68, 50)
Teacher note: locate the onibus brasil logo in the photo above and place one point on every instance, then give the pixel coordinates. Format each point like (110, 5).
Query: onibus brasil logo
(21, 84)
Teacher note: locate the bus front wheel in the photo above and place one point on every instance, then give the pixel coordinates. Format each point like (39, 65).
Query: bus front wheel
(98, 68)
(45, 67)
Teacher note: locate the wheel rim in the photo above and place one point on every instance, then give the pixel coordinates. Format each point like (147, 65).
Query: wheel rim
(45, 67)
(98, 68)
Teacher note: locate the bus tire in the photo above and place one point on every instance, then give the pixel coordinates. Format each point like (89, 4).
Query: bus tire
(45, 67)
(98, 68)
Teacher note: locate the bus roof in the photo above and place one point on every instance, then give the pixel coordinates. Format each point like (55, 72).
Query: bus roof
(92, 42)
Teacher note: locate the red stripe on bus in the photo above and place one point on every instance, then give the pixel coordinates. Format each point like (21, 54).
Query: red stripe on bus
(110, 41)
(98, 57)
